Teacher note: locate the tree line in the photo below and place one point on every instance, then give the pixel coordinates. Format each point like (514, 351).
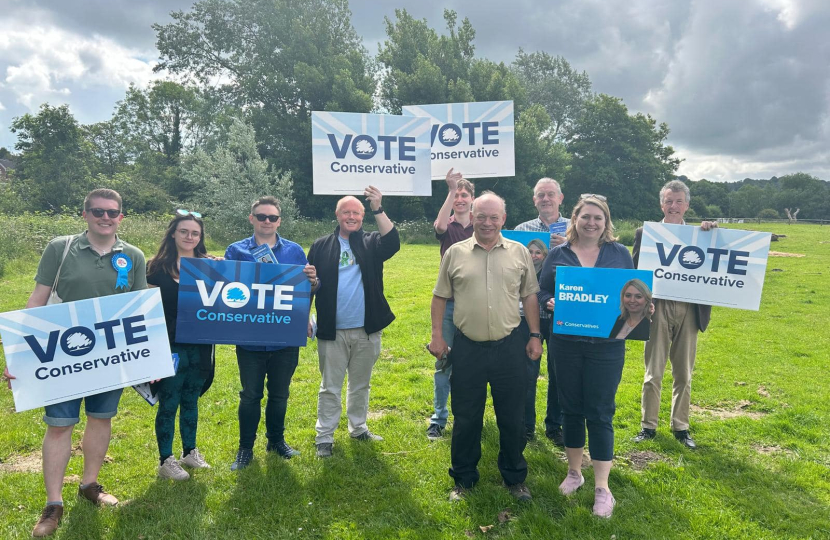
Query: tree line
(233, 119)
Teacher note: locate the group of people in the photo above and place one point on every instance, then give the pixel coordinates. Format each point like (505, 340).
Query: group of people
(491, 314)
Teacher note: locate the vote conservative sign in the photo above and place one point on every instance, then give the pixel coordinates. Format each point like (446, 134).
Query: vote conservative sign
(590, 301)
(719, 267)
(353, 150)
(242, 303)
(475, 139)
(75, 349)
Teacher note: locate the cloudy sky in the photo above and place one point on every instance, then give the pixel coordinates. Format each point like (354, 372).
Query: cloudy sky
(743, 84)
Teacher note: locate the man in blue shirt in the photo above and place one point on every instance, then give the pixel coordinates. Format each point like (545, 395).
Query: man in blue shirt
(257, 362)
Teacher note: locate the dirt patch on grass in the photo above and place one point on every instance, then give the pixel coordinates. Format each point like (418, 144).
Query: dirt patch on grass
(771, 450)
(29, 463)
(782, 254)
(737, 410)
(640, 459)
(380, 413)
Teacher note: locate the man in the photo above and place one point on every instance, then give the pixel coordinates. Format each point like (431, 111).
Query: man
(351, 311)
(487, 275)
(87, 270)
(258, 362)
(673, 335)
(547, 196)
(449, 229)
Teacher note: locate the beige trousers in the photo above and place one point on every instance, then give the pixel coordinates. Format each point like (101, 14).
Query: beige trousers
(673, 337)
(354, 352)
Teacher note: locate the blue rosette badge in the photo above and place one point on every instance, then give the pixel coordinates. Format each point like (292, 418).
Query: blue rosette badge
(122, 264)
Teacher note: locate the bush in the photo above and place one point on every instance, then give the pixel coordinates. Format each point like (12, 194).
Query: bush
(768, 213)
(713, 211)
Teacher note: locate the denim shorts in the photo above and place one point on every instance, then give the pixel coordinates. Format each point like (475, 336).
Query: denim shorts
(104, 405)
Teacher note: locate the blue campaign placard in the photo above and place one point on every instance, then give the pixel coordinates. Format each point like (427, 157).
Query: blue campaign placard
(524, 237)
(476, 139)
(351, 151)
(242, 303)
(591, 302)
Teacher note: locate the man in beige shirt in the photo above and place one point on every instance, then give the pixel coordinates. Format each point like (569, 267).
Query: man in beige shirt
(487, 275)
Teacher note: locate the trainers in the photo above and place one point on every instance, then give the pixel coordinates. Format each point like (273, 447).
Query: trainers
(556, 436)
(435, 432)
(603, 503)
(368, 436)
(685, 439)
(244, 457)
(324, 449)
(95, 493)
(172, 470)
(49, 520)
(645, 434)
(519, 491)
(571, 483)
(283, 449)
(194, 460)
(458, 493)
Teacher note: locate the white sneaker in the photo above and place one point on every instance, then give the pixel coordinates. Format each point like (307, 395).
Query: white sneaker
(194, 460)
(172, 470)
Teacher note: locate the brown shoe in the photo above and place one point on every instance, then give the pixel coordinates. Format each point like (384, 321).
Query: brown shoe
(95, 493)
(49, 520)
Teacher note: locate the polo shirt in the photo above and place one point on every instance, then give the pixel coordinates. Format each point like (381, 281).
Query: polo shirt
(85, 273)
(486, 286)
(455, 232)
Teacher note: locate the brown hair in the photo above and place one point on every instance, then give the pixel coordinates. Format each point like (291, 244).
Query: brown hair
(467, 186)
(167, 256)
(267, 199)
(607, 234)
(102, 193)
(640, 286)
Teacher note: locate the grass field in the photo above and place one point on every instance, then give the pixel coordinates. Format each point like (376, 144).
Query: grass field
(761, 410)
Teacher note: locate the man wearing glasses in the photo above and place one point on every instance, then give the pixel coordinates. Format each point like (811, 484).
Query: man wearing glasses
(258, 362)
(91, 264)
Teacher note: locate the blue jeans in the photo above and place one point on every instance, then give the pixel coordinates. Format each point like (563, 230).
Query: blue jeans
(104, 405)
(442, 378)
(589, 374)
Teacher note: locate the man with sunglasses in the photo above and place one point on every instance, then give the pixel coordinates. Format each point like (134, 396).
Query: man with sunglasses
(91, 264)
(256, 363)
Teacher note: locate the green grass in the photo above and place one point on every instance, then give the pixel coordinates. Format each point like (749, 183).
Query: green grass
(761, 420)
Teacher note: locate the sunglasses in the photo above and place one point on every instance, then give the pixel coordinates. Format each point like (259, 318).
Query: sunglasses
(592, 196)
(99, 212)
(183, 212)
(272, 218)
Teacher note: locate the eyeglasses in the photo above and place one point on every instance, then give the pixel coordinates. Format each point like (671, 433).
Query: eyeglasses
(593, 196)
(99, 212)
(183, 212)
(272, 218)
(189, 234)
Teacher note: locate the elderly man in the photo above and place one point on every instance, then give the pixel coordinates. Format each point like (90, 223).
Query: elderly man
(674, 328)
(258, 362)
(487, 275)
(351, 312)
(547, 196)
(450, 229)
(88, 266)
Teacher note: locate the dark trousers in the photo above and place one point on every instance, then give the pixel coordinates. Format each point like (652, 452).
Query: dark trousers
(553, 411)
(588, 375)
(254, 367)
(475, 364)
(553, 418)
(180, 392)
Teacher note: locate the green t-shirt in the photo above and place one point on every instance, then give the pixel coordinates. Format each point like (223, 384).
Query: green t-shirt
(84, 273)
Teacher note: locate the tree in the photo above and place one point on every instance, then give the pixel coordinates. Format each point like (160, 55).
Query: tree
(108, 146)
(52, 169)
(278, 60)
(705, 193)
(621, 156)
(551, 82)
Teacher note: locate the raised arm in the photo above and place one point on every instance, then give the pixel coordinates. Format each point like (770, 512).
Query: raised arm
(443, 219)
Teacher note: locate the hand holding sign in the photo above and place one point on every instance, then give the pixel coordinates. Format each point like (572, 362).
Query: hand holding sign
(8, 376)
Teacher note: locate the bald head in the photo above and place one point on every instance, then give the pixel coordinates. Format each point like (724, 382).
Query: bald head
(489, 196)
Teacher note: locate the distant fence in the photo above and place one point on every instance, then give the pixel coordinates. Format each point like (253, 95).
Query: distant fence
(784, 221)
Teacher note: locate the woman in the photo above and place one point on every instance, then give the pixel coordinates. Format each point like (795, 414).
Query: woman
(184, 238)
(588, 370)
(636, 310)
(538, 252)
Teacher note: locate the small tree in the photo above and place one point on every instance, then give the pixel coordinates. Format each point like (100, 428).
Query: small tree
(768, 213)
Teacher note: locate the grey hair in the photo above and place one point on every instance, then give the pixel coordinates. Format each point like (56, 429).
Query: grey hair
(547, 180)
(676, 186)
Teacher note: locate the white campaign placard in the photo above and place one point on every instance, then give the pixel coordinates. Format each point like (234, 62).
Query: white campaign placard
(475, 139)
(351, 151)
(719, 267)
(75, 349)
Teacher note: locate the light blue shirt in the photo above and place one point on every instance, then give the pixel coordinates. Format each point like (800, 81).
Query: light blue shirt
(349, 290)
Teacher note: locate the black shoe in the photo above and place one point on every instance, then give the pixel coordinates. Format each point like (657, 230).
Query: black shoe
(282, 448)
(519, 491)
(556, 436)
(325, 450)
(435, 432)
(458, 493)
(645, 434)
(244, 457)
(368, 436)
(530, 434)
(685, 439)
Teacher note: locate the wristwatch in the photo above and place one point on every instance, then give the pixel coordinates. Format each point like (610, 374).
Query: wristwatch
(536, 335)
(378, 211)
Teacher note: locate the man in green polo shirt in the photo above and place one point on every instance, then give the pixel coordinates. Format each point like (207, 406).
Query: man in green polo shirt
(89, 265)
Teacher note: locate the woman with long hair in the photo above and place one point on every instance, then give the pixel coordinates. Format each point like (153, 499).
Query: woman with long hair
(184, 237)
(636, 310)
(588, 369)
